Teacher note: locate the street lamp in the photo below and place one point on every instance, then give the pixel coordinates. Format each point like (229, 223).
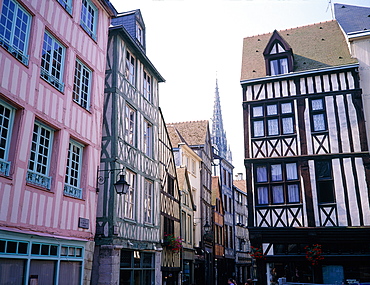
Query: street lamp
(121, 186)
(207, 227)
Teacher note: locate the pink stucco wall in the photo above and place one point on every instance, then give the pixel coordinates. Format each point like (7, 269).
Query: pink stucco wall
(31, 208)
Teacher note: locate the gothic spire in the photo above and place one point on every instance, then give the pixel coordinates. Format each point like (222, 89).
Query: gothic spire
(218, 134)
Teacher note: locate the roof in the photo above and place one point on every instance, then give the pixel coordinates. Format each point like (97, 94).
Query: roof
(351, 18)
(193, 133)
(320, 45)
(241, 185)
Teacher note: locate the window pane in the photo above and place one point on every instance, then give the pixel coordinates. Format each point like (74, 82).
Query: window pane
(274, 67)
(258, 129)
(257, 111)
(263, 195)
(317, 104)
(286, 108)
(288, 125)
(277, 194)
(284, 65)
(318, 122)
(276, 172)
(291, 171)
(323, 169)
(261, 174)
(273, 127)
(293, 193)
(272, 110)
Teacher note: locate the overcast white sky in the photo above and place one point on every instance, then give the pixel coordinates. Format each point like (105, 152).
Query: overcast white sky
(190, 41)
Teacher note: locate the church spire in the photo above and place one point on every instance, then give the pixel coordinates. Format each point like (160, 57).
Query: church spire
(218, 134)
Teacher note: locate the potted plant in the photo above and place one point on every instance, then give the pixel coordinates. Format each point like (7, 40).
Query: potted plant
(313, 253)
(174, 243)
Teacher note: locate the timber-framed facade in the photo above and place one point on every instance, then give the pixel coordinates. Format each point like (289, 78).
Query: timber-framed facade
(306, 155)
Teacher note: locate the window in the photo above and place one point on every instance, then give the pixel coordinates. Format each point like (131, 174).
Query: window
(67, 5)
(82, 85)
(73, 170)
(148, 201)
(148, 134)
(189, 229)
(130, 122)
(41, 149)
(137, 266)
(170, 185)
(277, 183)
(130, 68)
(147, 88)
(272, 119)
(52, 61)
(15, 24)
(279, 66)
(139, 34)
(6, 126)
(89, 18)
(324, 181)
(129, 197)
(318, 115)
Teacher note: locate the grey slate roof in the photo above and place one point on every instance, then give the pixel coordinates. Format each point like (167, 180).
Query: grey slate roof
(351, 18)
(321, 45)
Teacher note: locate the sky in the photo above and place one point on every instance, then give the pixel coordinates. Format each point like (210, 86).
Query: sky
(194, 42)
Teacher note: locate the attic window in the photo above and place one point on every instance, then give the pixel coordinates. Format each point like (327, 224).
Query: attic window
(278, 56)
(139, 34)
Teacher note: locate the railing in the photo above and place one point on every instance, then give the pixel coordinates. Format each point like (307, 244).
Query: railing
(72, 191)
(38, 179)
(18, 54)
(4, 167)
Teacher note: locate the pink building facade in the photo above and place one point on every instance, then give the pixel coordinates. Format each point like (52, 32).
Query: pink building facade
(52, 58)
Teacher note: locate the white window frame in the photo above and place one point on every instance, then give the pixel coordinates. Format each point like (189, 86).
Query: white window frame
(82, 85)
(52, 70)
(7, 114)
(148, 201)
(129, 198)
(148, 138)
(9, 38)
(130, 68)
(73, 170)
(38, 173)
(139, 33)
(147, 86)
(89, 18)
(130, 125)
(67, 5)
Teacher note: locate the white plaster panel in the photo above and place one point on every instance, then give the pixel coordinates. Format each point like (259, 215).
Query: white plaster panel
(318, 84)
(32, 85)
(40, 97)
(343, 124)
(326, 83)
(15, 79)
(310, 85)
(27, 130)
(365, 203)
(303, 86)
(334, 82)
(352, 197)
(284, 88)
(49, 211)
(5, 201)
(57, 205)
(63, 217)
(339, 193)
(23, 87)
(308, 127)
(75, 216)
(311, 166)
(69, 216)
(342, 78)
(332, 124)
(17, 191)
(5, 80)
(33, 208)
(351, 81)
(353, 124)
(269, 91)
(41, 208)
(25, 207)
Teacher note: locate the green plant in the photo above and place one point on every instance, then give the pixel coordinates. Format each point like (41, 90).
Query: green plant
(174, 243)
(257, 252)
(313, 253)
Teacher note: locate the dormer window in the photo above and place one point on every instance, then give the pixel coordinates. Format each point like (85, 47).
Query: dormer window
(139, 34)
(278, 56)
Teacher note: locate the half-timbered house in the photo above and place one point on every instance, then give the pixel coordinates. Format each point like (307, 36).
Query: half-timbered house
(187, 224)
(171, 238)
(52, 57)
(306, 156)
(195, 136)
(218, 231)
(128, 224)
